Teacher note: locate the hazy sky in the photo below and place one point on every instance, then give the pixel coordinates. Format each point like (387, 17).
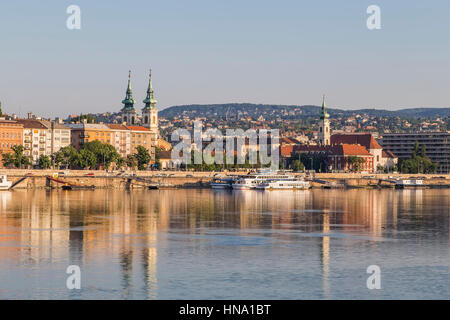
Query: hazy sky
(211, 51)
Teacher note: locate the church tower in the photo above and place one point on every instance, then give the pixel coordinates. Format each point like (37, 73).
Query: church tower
(149, 112)
(324, 125)
(129, 114)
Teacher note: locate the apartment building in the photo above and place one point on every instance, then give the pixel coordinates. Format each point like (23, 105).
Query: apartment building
(42, 137)
(11, 134)
(87, 132)
(123, 137)
(142, 136)
(437, 146)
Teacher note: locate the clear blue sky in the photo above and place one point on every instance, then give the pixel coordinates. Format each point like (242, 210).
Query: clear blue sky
(211, 51)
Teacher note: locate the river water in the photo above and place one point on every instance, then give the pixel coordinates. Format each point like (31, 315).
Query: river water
(217, 244)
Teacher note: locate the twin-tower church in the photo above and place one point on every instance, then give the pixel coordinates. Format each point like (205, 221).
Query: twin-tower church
(149, 117)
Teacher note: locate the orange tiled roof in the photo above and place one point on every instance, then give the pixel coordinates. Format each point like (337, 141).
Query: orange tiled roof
(351, 150)
(138, 128)
(365, 139)
(286, 150)
(117, 126)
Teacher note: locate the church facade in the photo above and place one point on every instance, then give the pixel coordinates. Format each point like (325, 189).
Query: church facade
(149, 113)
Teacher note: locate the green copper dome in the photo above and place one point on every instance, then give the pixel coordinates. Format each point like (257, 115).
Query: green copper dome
(128, 101)
(324, 114)
(150, 101)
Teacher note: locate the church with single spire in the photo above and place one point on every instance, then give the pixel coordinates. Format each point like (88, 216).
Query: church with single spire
(324, 125)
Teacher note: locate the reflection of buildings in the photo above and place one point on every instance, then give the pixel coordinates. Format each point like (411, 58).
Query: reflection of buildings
(325, 254)
(123, 236)
(77, 227)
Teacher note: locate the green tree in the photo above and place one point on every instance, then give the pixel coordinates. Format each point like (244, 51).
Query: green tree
(297, 165)
(67, 157)
(143, 157)
(86, 159)
(44, 162)
(104, 152)
(158, 157)
(423, 152)
(356, 163)
(131, 161)
(17, 158)
(120, 162)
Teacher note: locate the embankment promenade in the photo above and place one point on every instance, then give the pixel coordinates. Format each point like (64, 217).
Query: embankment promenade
(37, 179)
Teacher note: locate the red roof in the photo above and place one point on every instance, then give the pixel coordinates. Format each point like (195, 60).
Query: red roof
(350, 150)
(285, 140)
(365, 139)
(286, 150)
(115, 126)
(138, 128)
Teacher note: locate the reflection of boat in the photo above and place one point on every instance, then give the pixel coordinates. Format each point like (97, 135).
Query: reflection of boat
(252, 180)
(401, 184)
(297, 184)
(5, 184)
(69, 186)
(72, 187)
(222, 182)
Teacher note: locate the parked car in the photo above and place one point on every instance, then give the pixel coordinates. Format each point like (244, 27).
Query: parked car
(89, 174)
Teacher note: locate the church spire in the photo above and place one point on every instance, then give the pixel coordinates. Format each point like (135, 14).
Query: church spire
(129, 101)
(324, 114)
(150, 101)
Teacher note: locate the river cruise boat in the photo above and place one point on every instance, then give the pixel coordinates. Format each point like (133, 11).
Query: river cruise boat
(402, 184)
(222, 182)
(252, 180)
(5, 184)
(297, 184)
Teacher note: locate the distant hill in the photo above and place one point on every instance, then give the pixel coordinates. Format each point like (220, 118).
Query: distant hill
(285, 111)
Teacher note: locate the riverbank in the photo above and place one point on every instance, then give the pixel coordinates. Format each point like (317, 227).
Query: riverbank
(37, 179)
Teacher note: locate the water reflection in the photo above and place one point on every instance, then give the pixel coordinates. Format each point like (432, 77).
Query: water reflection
(147, 244)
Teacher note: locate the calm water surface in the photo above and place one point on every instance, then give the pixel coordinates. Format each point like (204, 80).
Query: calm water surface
(206, 244)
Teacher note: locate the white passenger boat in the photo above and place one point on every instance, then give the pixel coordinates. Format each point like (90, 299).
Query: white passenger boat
(401, 184)
(5, 184)
(222, 182)
(297, 184)
(252, 180)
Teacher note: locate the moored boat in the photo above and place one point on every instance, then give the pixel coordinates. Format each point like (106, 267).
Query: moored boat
(5, 184)
(298, 184)
(222, 182)
(402, 184)
(251, 181)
